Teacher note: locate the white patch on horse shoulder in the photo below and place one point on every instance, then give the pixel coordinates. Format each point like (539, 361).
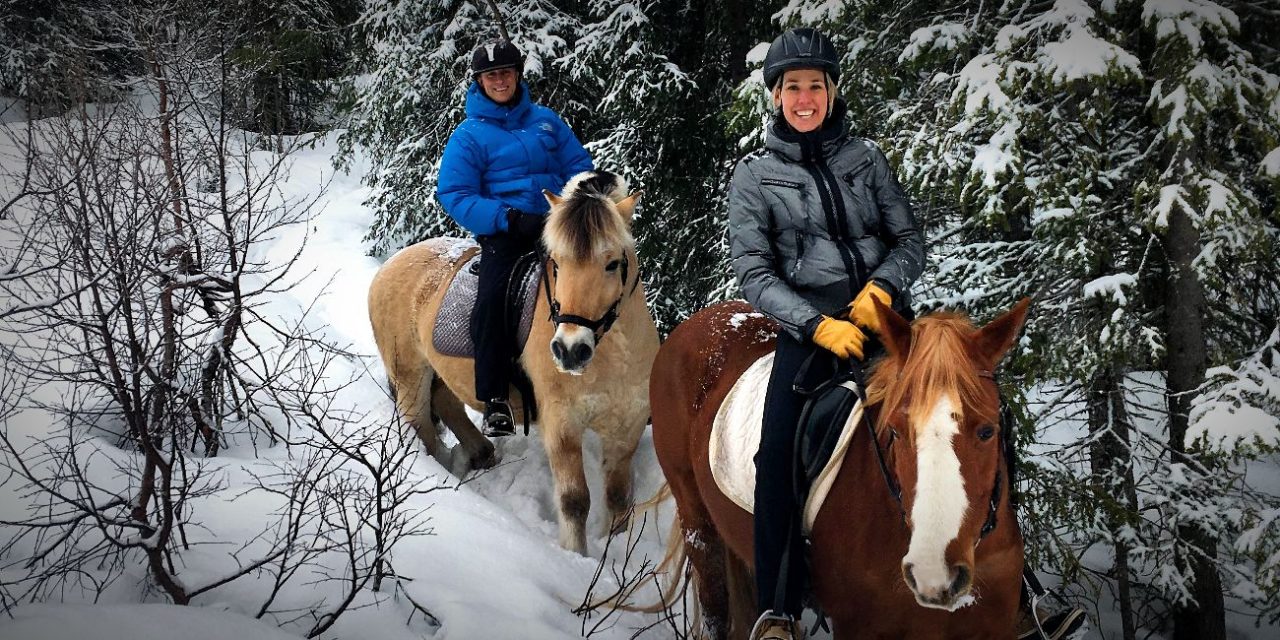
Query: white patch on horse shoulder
(940, 502)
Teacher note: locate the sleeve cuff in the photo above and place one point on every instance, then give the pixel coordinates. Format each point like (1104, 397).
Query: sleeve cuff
(887, 286)
(811, 326)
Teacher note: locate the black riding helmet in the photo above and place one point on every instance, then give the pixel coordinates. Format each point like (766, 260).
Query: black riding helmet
(802, 48)
(496, 54)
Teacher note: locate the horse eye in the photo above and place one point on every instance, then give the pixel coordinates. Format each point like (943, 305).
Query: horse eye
(986, 432)
(613, 266)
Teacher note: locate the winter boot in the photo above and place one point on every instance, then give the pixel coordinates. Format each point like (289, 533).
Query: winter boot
(774, 626)
(497, 419)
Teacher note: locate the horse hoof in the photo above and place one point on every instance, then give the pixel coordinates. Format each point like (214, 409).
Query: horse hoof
(485, 458)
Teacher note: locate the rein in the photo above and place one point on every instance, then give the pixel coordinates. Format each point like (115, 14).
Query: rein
(599, 326)
(891, 482)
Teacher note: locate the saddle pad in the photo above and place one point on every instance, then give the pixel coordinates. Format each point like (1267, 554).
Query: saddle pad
(735, 438)
(452, 333)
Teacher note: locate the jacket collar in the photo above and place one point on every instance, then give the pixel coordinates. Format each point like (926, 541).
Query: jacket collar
(481, 106)
(820, 144)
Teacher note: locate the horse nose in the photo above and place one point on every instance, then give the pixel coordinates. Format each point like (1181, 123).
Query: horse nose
(944, 594)
(571, 355)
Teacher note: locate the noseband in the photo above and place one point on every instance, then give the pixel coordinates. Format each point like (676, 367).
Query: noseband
(599, 326)
(895, 489)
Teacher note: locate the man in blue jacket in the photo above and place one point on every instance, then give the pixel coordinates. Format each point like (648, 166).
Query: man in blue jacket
(494, 168)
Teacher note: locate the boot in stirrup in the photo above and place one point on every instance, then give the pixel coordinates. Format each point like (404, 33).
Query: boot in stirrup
(776, 626)
(497, 419)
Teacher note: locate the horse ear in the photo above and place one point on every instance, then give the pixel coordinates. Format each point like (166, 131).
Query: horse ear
(551, 197)
(895, 330)
(627, 206)
(995, 339)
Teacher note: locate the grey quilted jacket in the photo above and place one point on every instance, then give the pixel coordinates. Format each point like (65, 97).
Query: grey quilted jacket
(798, 251)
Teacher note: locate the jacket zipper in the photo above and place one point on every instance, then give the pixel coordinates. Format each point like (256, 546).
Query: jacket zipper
(837, 221)
(795, 269)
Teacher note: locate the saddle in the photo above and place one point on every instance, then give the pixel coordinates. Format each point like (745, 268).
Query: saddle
(451, 335)
(826, 429)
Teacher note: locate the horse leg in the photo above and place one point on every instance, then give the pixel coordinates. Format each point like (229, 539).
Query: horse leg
(410, 383)
(478, 449)
(742, 596)
(618, 452)
(563, 442)
(708, 555)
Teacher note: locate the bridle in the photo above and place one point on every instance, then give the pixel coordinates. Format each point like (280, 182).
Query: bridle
(993, 503)
(599, 326)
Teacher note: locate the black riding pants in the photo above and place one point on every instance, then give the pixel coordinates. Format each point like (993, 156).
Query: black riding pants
(494, 345)
(777, 509)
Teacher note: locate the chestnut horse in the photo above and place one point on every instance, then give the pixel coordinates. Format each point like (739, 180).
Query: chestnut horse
(942, 561)
(588, 354)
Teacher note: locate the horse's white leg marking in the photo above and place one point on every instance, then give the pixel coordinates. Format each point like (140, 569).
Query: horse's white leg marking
(940, 501)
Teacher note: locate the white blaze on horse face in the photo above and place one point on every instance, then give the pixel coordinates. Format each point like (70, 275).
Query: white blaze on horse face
(940, 500)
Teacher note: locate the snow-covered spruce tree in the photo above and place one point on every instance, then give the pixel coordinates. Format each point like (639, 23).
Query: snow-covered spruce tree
(681, 232)
(1047, 154)
(48, 49)
(412, 96)
(293, 51)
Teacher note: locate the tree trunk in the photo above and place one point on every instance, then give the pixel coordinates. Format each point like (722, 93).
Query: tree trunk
(1185, 362)
(1112, 469)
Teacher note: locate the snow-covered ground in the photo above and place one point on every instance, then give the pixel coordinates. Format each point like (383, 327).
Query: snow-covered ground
(490, 567)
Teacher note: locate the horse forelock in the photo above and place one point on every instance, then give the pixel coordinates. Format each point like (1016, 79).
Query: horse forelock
(939, 365)
(586, 225)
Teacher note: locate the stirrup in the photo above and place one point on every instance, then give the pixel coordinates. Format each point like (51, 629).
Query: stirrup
(774, 626)
(1046, 625)
(497, 419)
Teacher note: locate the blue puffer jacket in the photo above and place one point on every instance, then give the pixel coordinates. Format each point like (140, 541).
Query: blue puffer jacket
(502, 157)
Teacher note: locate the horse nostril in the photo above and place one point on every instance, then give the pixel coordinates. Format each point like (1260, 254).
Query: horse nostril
(581, 353)
(906, 575)
(557, 349)
(962, 580)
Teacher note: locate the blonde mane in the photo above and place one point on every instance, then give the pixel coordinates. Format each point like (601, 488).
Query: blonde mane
(586, 225)
(939, 363)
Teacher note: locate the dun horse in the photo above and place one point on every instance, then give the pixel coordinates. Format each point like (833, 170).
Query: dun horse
(943, 561)
(588, 353)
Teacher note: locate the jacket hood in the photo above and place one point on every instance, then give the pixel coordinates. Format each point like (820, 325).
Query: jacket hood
(822, 142)
(480, 105)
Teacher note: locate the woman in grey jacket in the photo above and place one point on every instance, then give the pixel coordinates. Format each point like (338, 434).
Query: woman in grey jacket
(818, 226)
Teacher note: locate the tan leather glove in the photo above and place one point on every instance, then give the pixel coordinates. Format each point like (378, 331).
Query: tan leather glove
(839, 337)
(862, 311)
